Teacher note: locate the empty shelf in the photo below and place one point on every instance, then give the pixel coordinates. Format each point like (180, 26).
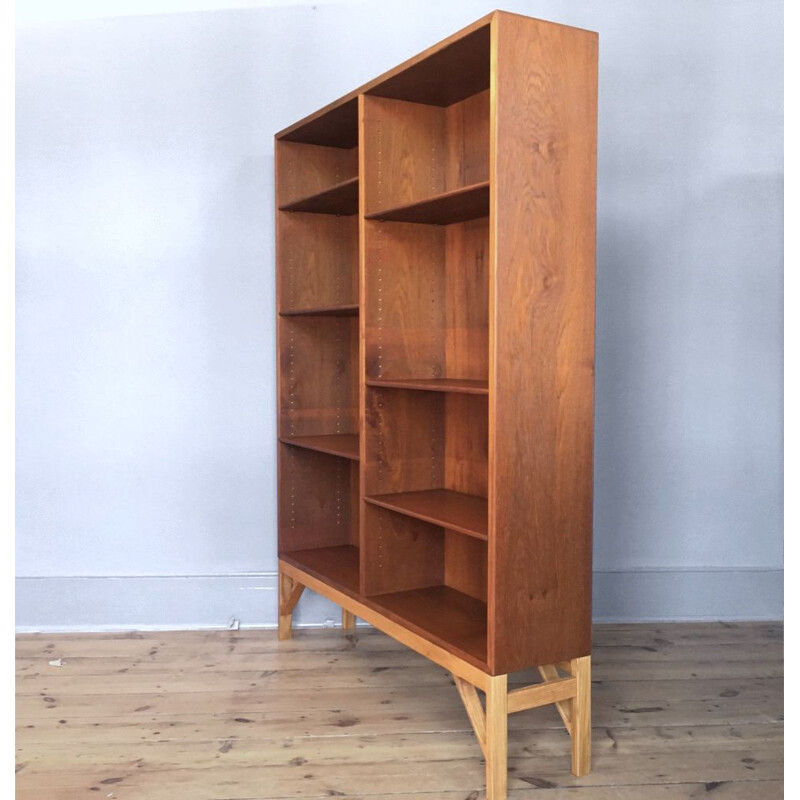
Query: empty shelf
(434, 385)
(337, 444)
(340, 199)
(464, 513)
(458, 205)
(337, 566)
(446, 616)
(323, 311)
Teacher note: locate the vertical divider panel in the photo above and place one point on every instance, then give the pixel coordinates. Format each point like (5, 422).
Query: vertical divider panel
(398, 448)
(362, 305)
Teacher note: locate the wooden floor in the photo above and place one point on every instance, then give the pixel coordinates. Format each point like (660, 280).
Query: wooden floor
(680, 711)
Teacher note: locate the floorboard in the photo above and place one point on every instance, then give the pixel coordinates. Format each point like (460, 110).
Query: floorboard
(680, 711)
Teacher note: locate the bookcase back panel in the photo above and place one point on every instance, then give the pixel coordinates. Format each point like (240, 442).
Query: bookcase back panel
(319, 375)
(335, 127)
(466, 448)
(404, 303)
(403, 147)
(432, 579)
(307, 169)
(426, 302)
(418, 440)
(316, 507)
(400, 553)
(452, 72)
(318, 260)
(465, 564)
(414, 152)
(405, 433)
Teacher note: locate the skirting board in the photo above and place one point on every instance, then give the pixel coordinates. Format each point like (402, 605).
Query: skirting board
(212, 601)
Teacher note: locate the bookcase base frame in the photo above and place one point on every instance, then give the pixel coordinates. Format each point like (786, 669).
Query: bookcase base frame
(567, 685)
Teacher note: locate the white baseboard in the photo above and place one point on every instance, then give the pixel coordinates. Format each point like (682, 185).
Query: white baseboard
(106, 603)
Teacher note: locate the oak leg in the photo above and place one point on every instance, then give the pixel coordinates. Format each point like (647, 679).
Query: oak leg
(348, 621)
(474, 709)
(581, 722)
(564, 707)
(497, 738)
(289, 591)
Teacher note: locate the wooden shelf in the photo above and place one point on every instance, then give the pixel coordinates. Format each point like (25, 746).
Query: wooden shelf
(457, 205)
(336, 565)
(344, 445)
(433, 385)
(323, 311)
(447, 617)
(341, 199)
(337, 127)
(464, 513)
(444, 77)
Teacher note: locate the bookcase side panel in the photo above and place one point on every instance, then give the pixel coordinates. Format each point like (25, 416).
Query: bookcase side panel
(542, 361)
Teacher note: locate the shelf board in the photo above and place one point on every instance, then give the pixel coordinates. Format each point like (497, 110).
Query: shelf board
(336, 566)
(433, 385)
(464, 513)
(458, 205)
(340, 199)
(446, 616)
(344, 445)
(334, 126)
(323, 311)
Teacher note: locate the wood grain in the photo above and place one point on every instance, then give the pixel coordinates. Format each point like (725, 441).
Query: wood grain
(451, 72)
(340, 198)
(400, 619)
(474, 709)
(319, 377)
(182, 729)
(542, 288)
(342, 444)
(317, 263)
(334, 126)
(426, 305)
(457, 385)
(337, 566)
(453, 510)
(457, 359)
(335, 123)
(449, 618)
(425, 163)
(581, 716)
(316, 508)
(307, 170)
(400, 553)
(465, 564)
(497, 738)
(323, 311)
(444, 208)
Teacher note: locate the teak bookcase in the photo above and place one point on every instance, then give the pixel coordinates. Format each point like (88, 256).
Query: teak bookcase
(435, 281)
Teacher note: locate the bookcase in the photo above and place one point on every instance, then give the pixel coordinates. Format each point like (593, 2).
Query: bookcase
(435, 253)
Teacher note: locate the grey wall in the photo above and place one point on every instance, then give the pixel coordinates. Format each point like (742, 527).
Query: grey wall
(145, 350)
